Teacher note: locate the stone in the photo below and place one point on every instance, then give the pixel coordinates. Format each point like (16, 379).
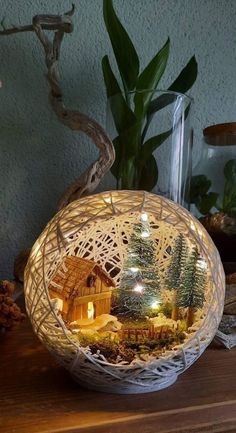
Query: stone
(228, 324)
(230, 299)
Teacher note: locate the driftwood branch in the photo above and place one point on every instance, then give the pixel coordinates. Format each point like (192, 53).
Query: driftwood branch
(76, 121)
(61, 24)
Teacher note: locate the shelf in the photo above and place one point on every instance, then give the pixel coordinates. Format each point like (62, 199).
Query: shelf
(38, 396)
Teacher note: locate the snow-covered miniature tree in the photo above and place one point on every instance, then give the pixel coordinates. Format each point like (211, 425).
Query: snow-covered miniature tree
(138, 294)
(194, 279)
(175, 270)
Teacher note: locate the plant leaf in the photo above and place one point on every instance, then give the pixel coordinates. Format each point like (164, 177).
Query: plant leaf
(186, 78)
(148, 175)
(126, 145)
(129, 139)
(229, 196)
(230, 170)
(182, 84)
(123, 169)
(149, 79)
(207, 202)
(199, 186)
(171, 98)
(116, 167)
(124, 51)
(160, 102)
(152, 144)
(123, 116)
(112, 86)
(128, 174)
(199, 195)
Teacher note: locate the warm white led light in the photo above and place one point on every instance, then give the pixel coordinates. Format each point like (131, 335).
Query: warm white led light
(138, 288)
(134, 269)
(145, 234)
(90, 310)
(107, 200)
(144, 217)
(202, 264)
(155, 305)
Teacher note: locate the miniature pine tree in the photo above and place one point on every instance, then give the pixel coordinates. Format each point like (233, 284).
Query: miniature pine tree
(138, 293)
(177, 265)
(191, 292)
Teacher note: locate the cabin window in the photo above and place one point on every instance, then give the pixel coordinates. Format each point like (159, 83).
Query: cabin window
(91, 280)
(90, 310)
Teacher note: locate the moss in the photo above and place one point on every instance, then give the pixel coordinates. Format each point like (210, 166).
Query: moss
(113, 351)
(166, 309)
(127, 350)
(182, 326)
(110, 338)
(145, 345)
(134, 324)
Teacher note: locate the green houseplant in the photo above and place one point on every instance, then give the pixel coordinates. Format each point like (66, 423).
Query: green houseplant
(213, 188)
(133, 104)
(208, 202)
(218, 210)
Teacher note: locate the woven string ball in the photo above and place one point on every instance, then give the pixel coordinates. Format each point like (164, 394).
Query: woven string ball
(125, 289)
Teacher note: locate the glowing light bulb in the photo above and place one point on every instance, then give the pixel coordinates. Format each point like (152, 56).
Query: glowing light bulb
(107, 200)
(138, 288)
(155, 305)
(144, 217)
(90, 310)
(134, 269)
(202, 264)
(145, 234)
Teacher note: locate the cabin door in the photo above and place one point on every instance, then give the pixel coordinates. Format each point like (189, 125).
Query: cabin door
(91, 310)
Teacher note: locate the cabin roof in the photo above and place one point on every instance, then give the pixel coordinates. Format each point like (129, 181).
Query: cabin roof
(74, 271)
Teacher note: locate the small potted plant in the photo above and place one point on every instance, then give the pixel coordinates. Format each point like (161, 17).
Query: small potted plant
(213, 189)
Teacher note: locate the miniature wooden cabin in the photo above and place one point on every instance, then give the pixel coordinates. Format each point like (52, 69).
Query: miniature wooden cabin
(84, 287)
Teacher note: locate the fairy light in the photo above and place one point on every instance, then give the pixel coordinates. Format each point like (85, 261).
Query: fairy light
(135, 270)
(155, 305)
(202, 264)
(107, 200)
(145, 234)
(192, 226)
(144, 217)
(138, 288)
(90, 310)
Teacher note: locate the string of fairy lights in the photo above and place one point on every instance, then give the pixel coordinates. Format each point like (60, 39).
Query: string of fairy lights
(139, 288)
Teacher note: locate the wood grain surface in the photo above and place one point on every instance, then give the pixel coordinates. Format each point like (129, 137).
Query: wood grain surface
(37, 395)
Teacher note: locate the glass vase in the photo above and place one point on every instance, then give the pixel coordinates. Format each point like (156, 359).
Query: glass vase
(213, 187)
(152, 137)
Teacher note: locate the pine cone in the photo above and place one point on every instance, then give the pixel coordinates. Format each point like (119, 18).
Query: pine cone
(10, 313)
(219, 222)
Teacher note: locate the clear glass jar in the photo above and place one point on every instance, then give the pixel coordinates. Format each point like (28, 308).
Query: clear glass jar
(152, 138)
(213, 187)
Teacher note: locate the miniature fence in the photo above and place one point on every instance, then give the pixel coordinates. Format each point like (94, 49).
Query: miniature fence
(153, 333)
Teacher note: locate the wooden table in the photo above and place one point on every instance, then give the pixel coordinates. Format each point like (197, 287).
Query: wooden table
(37, 395)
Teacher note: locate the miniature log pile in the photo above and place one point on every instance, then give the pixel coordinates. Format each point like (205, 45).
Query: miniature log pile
(10, 313)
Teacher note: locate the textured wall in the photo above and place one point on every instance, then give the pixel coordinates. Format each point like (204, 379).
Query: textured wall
(38, 156)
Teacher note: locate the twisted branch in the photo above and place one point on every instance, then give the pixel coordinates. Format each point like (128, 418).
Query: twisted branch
(76, 121)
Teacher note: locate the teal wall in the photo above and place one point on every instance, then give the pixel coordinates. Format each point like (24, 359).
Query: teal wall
(38, 156)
